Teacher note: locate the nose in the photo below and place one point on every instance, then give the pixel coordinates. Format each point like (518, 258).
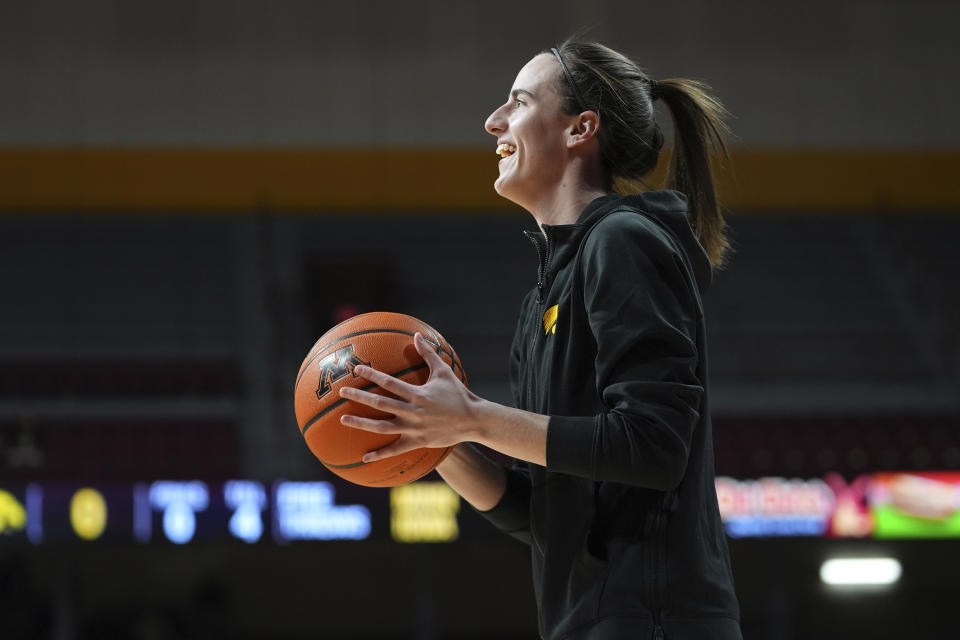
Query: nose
(496, 123)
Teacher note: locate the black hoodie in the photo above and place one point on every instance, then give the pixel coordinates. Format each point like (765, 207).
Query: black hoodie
(623, 522)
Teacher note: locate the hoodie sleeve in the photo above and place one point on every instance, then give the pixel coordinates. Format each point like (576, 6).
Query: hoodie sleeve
(643, 312)
(512, 514)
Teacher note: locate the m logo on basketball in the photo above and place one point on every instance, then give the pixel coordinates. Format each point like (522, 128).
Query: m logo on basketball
(335, 366)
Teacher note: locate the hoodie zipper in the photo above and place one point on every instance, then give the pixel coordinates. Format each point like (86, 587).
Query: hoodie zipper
(542, 242)
(658, 625)
(659, 560)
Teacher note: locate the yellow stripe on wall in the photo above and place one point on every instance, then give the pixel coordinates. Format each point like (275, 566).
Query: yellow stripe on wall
(843, 180)
(434, 179)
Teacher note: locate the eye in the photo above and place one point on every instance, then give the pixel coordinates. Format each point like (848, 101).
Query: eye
(519, 102)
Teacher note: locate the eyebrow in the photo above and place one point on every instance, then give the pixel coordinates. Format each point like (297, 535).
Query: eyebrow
(517, 92)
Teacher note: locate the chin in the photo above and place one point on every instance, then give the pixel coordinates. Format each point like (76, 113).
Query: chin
(523, 204)
(505, 190)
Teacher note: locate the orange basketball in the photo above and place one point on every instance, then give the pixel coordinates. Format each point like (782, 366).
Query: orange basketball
(383, 341)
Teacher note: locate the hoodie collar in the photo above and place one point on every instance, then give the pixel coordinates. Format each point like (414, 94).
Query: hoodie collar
(559, 242)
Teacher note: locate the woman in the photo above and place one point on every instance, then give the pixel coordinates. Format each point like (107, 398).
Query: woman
(614, 482)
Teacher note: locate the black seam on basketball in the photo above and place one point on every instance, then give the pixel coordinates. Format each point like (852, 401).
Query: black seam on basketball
(454, 363)
(439, 457)
(398, 374)
(306, 366)
(352, 465)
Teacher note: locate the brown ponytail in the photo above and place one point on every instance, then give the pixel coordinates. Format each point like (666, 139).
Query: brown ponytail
(698, 128)
(622, 94)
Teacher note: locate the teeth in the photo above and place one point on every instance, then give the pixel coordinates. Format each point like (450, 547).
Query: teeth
(505, 150)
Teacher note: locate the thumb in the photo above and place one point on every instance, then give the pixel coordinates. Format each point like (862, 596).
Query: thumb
(428, 351)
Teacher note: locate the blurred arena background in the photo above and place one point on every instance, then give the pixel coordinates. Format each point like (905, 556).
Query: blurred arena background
(192, 192)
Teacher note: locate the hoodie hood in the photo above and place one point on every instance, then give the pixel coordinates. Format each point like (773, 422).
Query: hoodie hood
(669, 208)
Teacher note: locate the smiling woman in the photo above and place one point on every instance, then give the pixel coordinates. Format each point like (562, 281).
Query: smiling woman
(613, 484)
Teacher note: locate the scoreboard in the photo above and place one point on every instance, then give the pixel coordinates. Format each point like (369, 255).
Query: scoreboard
(180, 512)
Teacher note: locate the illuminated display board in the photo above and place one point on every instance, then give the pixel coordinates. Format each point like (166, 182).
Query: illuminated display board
(774, 507)
(883, 505)
(180, 512)
(424, 512)
(878, 505)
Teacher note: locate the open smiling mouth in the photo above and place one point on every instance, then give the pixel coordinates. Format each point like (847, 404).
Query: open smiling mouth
(506, 150)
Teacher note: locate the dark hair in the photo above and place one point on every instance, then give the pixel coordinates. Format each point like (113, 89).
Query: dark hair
(630, 139)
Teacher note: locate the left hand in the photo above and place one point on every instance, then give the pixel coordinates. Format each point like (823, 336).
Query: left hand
(439, 413)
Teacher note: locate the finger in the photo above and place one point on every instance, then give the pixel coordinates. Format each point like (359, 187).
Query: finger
(427, 351)
(369, 424)
(395, 448)
(374, 400)
(384, 381)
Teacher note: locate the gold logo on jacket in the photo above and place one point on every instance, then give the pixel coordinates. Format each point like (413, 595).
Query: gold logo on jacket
(550, 320)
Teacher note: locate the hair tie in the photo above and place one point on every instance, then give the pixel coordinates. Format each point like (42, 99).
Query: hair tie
(654, 90)
(566, 73)
(656, 141)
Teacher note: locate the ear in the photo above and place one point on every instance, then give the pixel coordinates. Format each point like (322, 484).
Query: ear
(584, 129)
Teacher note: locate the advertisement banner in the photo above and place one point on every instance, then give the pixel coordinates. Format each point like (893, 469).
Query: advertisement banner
(915, 504)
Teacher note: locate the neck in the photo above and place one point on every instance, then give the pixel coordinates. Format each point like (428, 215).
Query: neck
(564, 203)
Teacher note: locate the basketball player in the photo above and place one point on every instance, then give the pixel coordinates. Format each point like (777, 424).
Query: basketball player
(614, 483)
